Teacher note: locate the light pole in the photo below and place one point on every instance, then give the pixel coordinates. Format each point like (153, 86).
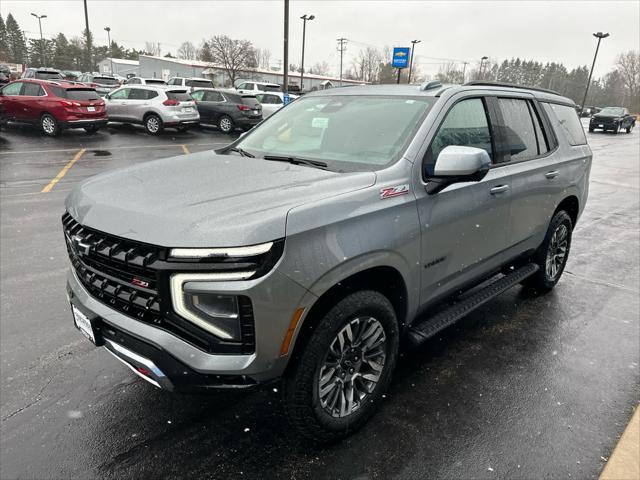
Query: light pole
(285, 73)
(108, 30)
(304, 28)
(42, 57)
(464, 69)
(413, 44)
(86, 24)
(599, 36)
(481, 63)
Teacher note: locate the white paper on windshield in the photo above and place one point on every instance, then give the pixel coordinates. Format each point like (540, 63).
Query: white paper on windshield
(320, 122)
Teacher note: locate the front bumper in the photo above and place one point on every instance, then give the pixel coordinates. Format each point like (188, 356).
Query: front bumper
(184, 366)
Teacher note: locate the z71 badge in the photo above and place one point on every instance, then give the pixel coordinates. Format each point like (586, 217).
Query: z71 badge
(389, 192)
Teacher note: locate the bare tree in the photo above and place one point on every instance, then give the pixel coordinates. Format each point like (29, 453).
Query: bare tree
(152, 48)
(232, 54)
(187, 51)
(450, 73)
(628, 66)
(367, 64)
(262, 58)
(320, 68)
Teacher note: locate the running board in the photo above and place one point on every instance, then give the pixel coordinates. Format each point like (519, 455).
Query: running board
(427, 328)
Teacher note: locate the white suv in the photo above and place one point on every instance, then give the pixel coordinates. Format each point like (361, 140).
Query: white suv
(258, 87)
(192, 82)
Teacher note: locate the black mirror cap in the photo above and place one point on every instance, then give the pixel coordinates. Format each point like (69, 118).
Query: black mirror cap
(437, 184)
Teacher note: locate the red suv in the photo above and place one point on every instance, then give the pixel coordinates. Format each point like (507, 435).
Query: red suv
(53, 105)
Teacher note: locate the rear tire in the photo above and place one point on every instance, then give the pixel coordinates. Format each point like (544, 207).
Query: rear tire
(552, 255)
(225, 124)
(49, 125)
(91, 129)
(153, 124)
(344, 369)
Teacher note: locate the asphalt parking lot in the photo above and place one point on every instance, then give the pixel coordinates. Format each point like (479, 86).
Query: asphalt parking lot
(522, 388)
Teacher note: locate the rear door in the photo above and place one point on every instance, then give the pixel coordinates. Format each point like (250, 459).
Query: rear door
(213, 103)
(465, 226)
(537, 179)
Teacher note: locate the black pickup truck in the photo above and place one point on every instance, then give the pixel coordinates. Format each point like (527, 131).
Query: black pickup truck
(614, 119)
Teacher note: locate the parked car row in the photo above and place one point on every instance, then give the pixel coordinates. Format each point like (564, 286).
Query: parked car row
(55, 105)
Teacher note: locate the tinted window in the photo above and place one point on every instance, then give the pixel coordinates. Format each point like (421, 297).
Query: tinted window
(120, 94)
(541, 137)
(214, 97)
(518, 130)
(465, 125)
(137, 94)
(133, 81)
(251, 101)
(180, 96)
(12, 88)
(32, 90)
(199, 83)
(45, 75)
(152, 81)
(248, 86)
(567, 118)
(105, 80)
(270, 88)
(233, 98)
(151, 94)
(82, 94)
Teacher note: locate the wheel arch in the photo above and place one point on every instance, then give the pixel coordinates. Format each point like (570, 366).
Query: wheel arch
(571, 205)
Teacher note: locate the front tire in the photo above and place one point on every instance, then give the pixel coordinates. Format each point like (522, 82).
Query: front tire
(552, 255)
(49, 125)
(225, 124)
(629, 128)
(345, 367)
(153, 124)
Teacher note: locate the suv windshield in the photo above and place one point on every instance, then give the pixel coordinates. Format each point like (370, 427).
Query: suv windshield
(199, 83)
(46, 75)
(106, 81)
(612, 111)
(348, 133)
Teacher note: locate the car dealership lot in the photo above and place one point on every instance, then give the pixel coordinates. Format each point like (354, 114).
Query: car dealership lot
(522, 388)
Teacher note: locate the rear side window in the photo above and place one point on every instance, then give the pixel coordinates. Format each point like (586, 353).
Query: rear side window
(465, 125)
(137, 94)
(270, 88)
(81, 94)
(32, 90)
(567, 118)
(180, 96)
(199, 83)
(214, 97)
(518, 130)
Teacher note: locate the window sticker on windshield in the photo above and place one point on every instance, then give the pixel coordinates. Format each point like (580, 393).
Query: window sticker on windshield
(320, 122)
(410, 101)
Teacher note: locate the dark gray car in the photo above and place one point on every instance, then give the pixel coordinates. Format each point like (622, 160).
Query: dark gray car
(311, 245)
(227, 110)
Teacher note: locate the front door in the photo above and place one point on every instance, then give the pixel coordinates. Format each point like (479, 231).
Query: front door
(465, 226)
(11, 99)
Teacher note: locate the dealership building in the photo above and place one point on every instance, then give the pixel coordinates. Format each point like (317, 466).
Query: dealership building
(165, 68)
(119, 66)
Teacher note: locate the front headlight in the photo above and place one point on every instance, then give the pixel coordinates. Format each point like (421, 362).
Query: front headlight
(214, 312)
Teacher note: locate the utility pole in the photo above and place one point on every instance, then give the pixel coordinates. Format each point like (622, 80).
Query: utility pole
(285, 83)
(413, 44)
(108, 30)
(464, 68)
(342, 46)
(599, 36)
(304, 28)
(86, 25)
(42, 56)
(481, 62)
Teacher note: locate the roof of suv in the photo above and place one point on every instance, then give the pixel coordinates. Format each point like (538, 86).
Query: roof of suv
(56, 83)
(436, 90)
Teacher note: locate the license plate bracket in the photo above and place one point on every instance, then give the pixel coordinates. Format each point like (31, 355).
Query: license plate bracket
(83, 323)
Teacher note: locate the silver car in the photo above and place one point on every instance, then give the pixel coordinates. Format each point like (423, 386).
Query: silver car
(153, 107)
(310, 246)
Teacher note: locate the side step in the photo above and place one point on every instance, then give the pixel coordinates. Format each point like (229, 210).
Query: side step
(427, 328)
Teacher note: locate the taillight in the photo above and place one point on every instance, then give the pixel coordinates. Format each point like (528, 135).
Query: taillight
(93, 85)
(67, 103)
(243, 107)
(170, 102)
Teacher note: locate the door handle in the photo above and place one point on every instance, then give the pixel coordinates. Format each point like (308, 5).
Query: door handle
(552, 174)
(499, 189)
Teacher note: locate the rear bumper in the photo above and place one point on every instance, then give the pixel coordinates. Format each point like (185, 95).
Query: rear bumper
(245, 122)
(89, 122)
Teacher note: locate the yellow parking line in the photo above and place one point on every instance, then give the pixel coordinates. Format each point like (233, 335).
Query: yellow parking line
(625, 459)
(63, 172)
(185, 149)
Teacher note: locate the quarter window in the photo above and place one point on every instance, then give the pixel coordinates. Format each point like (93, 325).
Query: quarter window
(541, 138)
(567, 118)
(518, 130)
(465, 125)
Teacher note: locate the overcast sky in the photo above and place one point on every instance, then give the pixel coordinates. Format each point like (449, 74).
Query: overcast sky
(462, 30)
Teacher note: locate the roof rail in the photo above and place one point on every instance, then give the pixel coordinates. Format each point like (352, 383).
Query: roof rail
(511, 85)
(429, 85)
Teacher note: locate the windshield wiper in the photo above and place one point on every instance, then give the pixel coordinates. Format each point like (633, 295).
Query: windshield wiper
(242, 152)
(296, 161)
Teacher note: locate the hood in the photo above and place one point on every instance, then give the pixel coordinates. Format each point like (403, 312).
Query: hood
(204, 199)
(607, 115)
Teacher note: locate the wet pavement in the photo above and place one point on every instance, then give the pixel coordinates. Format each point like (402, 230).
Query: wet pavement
(523, 388)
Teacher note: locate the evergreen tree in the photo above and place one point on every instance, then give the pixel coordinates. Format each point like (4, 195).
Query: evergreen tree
(4, 44)
(15, 41)
(62, 53)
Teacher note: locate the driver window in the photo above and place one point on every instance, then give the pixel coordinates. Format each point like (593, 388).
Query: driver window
(466, 125)
(120, 94)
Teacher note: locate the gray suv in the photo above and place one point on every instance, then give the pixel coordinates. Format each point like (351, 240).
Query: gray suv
(307, 249)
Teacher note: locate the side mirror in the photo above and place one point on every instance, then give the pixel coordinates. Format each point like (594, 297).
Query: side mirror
(457, 164)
